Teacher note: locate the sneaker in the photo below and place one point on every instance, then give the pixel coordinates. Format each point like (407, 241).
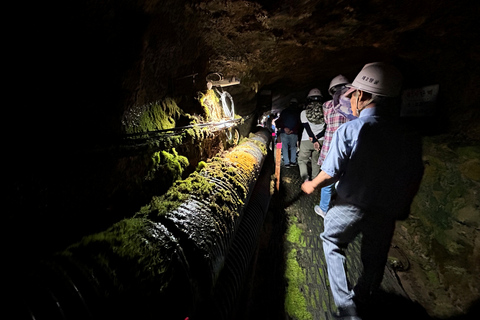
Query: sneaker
(347, 313)
(293, 164)
(287, 166)
(319, 211)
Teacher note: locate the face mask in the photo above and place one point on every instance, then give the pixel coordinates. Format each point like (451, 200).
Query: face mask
(344, 108)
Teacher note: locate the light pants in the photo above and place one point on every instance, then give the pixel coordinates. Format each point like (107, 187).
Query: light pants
(308, 151)
(289, 147)
(326, 196)
(342, 224)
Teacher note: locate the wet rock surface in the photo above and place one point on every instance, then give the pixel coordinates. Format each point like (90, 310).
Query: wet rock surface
(441, 237)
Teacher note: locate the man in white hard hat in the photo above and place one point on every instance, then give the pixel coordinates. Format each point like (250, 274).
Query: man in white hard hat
(379, 168)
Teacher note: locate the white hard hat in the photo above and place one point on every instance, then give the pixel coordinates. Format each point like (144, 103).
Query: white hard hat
(338, 80)
(378, 78)
(314, 93)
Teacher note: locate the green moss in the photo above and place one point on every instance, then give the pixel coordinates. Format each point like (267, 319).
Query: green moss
(176, 195)
(211, 105)
(201, 165)
(294, 235)
(324, 305)
(236, 168)
(166, 167)
(194, 134)
(314, 298)
(131, 252)
(157, 115)
(295, 300)
(260, 145)
(322, 275)
(469, 152)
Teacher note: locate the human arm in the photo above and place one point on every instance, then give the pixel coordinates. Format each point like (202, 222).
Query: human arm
(334, 163)
(320, 181)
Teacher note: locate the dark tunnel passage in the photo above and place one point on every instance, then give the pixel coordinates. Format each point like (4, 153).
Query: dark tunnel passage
(116, 140)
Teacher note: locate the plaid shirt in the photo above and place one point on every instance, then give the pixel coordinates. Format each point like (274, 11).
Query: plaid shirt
(333, 120)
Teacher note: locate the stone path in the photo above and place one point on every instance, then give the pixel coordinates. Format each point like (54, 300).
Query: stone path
(306, 270)
(289, 280)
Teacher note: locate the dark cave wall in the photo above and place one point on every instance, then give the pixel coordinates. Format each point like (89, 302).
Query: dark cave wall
(143, 48)
(441, 237)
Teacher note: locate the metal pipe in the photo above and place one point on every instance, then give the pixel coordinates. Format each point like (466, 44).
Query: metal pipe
(161, 263)
(244, 246)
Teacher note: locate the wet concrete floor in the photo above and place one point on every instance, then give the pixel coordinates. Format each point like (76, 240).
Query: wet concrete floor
(290, 278)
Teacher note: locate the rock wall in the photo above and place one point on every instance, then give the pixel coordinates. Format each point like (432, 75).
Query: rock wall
(441, 238)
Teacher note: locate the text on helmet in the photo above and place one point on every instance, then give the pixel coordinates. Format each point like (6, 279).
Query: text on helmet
(371, 80)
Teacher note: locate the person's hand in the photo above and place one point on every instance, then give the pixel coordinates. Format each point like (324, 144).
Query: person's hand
(308, 187)
(316, 145)
(288, 131)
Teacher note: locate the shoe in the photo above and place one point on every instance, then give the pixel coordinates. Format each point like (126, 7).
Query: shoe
(293, 164)
(319, 211)
(336, 316)
(347, 313)
(287, 166)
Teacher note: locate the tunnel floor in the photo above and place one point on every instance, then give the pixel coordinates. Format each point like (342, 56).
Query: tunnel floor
(289, 280)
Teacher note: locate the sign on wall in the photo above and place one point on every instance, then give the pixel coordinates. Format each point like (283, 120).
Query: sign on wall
(419, 102)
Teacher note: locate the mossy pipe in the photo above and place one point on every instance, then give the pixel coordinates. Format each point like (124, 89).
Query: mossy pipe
(242, 252)
(206, 221)
(163, 262)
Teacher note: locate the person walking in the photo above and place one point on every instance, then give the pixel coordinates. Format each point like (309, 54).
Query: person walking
(378, 165)
(312, 136)
(336, 112)
(289, 125)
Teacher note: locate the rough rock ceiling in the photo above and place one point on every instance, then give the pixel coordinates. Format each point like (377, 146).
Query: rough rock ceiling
(293, 45)
(299, 41)
(104, 57)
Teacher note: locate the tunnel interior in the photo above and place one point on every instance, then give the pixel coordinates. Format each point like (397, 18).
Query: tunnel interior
(109, 107)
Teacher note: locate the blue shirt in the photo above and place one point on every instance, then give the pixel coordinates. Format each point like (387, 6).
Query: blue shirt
(378, 163)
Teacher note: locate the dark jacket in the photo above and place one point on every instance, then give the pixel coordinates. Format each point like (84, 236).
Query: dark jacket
(289, 118)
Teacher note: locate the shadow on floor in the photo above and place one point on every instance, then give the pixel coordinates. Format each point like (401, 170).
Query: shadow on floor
(473, 312)
(264, 292)
(385, 305)
(391, 306)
